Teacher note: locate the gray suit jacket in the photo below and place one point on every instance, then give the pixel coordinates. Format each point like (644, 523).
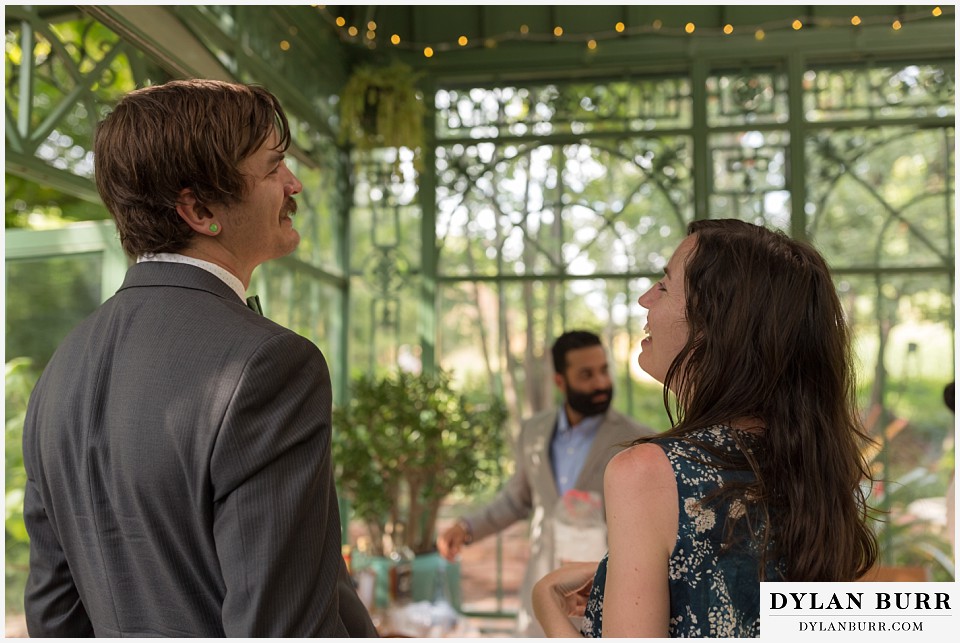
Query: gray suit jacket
(533, 489)
(179, 483)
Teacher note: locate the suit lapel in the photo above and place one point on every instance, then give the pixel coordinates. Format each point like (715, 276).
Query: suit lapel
(547, 481)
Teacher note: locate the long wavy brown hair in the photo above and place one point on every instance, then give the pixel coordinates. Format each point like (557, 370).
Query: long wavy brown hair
(768, 341)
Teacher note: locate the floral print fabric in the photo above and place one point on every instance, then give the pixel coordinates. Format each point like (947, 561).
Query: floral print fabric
(714, 585)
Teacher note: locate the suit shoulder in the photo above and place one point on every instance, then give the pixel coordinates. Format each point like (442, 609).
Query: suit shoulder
(540, 420)
(256, 329)
(278, 343)
(627, 425)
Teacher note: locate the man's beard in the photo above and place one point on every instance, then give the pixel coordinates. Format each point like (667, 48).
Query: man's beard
(582, 403)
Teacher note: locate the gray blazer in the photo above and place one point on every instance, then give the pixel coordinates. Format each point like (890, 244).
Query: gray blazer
(532, 489)
(179, 482)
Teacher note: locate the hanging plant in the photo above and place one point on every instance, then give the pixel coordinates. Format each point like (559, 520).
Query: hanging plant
(381, 107)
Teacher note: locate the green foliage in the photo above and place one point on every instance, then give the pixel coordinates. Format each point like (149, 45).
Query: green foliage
(403, 443)
(19, 380)
(906, 537)
(31, 205)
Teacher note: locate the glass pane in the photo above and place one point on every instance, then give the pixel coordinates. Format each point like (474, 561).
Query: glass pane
(878, 92)
(578, 108)
(320, 202)
(310, 308)
(902, 328)
(45, 299)
(748, 97)
(383, 326)
(498, 336)
(384, 219)
(882, 196)
(750, 177)
(384, 259)
(622, 206)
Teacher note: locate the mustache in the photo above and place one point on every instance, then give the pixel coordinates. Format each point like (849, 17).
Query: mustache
(289, 207)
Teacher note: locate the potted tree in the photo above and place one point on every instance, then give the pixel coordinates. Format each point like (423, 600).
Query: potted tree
(403, 443)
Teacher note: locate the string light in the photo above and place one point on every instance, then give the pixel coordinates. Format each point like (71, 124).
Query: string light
(619, 28)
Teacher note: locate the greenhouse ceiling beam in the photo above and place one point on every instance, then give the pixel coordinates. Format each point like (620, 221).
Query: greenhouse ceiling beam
(33, 169)
(160, 34)
(154, 30)
(516, 62)
(291, 96)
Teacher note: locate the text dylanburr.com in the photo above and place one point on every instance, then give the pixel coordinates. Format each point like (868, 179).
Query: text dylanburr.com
(858, 611)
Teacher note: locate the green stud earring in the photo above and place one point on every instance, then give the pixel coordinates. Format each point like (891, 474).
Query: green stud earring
(214, 227)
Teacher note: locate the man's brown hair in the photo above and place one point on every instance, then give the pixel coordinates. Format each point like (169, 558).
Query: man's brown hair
(183, 134)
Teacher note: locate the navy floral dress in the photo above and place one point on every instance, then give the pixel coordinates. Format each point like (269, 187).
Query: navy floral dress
(714, 590)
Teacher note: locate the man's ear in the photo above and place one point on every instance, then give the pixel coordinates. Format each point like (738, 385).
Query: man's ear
(558, 380)
(196, 215)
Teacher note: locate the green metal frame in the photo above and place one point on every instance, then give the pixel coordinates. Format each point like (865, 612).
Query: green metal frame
(82, 238)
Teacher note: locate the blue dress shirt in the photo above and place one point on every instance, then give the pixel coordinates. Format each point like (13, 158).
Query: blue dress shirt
(569, 448)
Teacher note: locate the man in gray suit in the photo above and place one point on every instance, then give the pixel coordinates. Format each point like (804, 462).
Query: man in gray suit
(177, 446)
(558, 450)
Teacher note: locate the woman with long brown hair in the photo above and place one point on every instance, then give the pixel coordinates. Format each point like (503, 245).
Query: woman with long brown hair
(759, 477)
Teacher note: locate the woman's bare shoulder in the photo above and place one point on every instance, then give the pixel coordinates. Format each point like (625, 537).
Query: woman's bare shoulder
(643, 464)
